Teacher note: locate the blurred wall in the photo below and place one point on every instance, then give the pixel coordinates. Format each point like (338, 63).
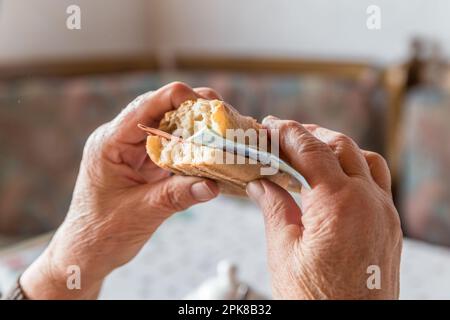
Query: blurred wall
(324, 28)
(36, 29)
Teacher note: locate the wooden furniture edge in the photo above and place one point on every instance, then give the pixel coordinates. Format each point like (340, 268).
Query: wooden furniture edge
(78, 66)
(271, 65)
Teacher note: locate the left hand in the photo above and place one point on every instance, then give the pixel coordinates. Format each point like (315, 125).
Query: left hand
(120, 198)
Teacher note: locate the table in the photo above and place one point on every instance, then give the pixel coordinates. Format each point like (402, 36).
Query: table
(186, 249)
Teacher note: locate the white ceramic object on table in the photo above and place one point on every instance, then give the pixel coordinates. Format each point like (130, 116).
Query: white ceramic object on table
(224, 286)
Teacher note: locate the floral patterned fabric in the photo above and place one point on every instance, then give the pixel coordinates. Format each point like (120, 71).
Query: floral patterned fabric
(44, 123)
(425, 181)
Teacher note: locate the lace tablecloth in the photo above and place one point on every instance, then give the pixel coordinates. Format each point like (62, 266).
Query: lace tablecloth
(186, 249)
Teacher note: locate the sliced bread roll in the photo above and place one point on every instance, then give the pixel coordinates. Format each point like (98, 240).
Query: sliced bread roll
(187, 158)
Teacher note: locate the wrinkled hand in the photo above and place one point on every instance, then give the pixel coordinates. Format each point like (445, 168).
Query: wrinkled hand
(120, 199)
(347, 224)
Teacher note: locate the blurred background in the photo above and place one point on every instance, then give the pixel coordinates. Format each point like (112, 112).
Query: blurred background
(314, 61)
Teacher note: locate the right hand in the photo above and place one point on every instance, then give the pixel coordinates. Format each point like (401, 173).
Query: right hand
(348, 222)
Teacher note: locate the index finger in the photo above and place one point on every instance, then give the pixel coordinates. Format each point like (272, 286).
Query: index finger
(148, 109)
(307, 154)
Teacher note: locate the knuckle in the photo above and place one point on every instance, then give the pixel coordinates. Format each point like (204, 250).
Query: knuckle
(302, 141)
(178, 86)
(95, 150)
(290, 125)
(378, 158)
(172, 198)
(341, 143)
(342, 139)
(292, 130)
(209, 92)
(310, 146)
(95, 141)
(311, 126)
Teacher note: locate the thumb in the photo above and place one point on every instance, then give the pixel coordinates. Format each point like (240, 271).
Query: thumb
(177, 193)
(282, 216)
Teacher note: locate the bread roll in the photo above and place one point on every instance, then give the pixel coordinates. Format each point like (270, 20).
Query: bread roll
(187, 158)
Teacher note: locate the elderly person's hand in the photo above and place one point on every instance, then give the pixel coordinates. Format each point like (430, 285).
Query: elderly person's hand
(120, 199)
(348, 223)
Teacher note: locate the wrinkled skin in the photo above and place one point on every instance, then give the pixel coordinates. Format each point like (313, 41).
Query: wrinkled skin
(348, 222)
(120, 199)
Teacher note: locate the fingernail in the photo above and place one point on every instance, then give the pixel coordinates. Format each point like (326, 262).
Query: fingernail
(255, 189)
(202, 191)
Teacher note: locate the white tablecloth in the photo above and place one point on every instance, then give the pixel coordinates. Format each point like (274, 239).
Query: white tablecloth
(186, 249)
